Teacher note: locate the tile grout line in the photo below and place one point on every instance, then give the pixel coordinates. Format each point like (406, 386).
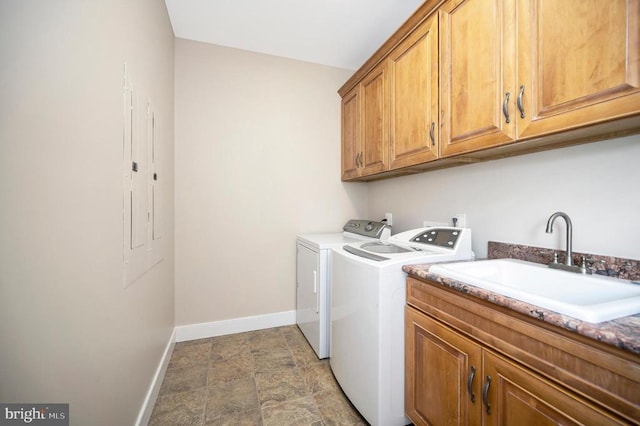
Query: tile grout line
(206, 386)
(255, 382)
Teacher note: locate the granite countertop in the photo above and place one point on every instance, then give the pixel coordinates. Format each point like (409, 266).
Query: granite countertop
(623, 333)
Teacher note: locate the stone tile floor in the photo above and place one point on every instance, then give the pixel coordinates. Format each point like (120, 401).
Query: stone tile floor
(265, 377)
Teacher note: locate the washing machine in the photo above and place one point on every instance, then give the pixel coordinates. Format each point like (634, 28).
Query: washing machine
(368, 297)
(313, 279)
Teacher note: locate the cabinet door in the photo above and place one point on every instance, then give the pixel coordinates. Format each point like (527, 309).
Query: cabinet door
(578, 63)
(351, 133)
(439, 369)
(413, 71)
(516, 396)
(375, 118)
(477, 75)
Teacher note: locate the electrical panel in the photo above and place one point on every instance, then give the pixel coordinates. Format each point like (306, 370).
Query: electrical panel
(142, 204)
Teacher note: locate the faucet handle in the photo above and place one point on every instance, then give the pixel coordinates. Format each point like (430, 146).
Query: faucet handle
(583, 265)
(555, 257)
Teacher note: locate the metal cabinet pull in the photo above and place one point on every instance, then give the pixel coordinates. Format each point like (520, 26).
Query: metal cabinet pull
(361, 162)
(431, 135)
(520, 105)
(358, 160)
(505, 107)
(472, 374)
(485, 394)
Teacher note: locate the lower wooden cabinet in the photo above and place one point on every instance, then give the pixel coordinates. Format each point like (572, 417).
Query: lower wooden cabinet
(451, 379)
(512, 395)
(440, 368)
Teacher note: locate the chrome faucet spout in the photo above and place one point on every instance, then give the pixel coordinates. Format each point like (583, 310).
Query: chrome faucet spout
(568, 263)
(549, 230)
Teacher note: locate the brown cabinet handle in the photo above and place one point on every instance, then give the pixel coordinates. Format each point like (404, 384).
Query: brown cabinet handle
(472, 374)
(505, 107)
(485, 394)
(519, 101)
(431, 135)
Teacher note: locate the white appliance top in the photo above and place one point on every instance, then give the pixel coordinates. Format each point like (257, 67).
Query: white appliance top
(423, 244)
(355, 230)
(324, 241)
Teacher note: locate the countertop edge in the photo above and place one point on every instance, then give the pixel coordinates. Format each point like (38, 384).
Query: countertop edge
(623, 333)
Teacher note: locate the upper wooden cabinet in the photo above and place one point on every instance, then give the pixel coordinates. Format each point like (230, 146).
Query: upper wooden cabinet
(365, 126)
(519, 69)
(351, 133)
(469, 80)
(477, 66)
(578, 63)
(391, 116)
(375, 120)
(413, 72)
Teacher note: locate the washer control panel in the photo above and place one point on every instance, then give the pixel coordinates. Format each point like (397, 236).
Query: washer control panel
(441, 237)
(367, 228)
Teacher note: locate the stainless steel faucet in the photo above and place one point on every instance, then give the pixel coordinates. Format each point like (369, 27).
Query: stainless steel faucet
(568, 263)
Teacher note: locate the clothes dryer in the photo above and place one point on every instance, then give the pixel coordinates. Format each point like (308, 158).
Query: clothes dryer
(313, 279)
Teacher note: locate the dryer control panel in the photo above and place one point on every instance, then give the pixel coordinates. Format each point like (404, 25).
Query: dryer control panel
(368, 228)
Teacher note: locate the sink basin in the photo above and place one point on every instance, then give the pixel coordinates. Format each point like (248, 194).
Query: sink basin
(591, 298)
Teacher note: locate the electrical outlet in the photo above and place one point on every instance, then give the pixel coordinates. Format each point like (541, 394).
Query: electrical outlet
(389, 218)
(460, 220)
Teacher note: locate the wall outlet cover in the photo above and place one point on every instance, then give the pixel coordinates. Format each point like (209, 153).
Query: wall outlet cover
(389, 218)
(461, 220)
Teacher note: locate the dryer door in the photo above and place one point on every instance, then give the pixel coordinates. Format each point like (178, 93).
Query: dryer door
(308, 295)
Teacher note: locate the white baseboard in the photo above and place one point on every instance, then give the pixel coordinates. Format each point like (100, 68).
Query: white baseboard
(236, 325)
(152, 394)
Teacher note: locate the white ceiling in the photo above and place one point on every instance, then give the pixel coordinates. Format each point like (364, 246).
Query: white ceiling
(339, 33)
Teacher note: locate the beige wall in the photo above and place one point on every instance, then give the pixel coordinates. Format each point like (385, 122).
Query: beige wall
(69, 331)
(510, 200)
(257, 162)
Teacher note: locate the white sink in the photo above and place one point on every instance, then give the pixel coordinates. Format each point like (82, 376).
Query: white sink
(591, 298)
